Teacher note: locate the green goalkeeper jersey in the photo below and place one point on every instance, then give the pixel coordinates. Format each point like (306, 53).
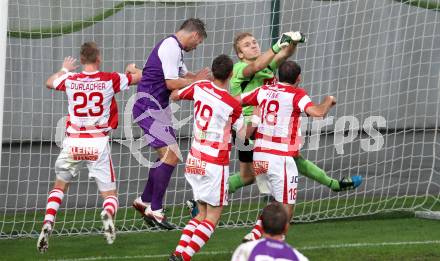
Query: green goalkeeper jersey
(240, 84)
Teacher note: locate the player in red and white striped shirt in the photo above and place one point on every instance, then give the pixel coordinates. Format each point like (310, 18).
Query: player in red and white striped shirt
(216, 112)
(277, 134)
(93, 113)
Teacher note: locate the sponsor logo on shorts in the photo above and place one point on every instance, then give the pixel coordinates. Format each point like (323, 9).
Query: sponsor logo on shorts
(195, 166)
(260, 167)
(84, 153)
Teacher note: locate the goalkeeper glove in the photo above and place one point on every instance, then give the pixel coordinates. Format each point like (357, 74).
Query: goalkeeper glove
(286, 39)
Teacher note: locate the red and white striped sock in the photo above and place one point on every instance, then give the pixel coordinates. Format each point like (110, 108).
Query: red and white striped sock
(187, 233)
(54, 201)
(258, 229)
(199, 238)
(110, 205)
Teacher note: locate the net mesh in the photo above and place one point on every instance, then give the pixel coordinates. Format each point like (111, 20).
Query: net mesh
(380, 58)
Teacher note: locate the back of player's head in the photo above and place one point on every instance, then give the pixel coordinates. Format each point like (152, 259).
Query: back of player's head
(238, 38)
(289, 71)
(222, 67)
(274, 219)
(89, 53)
(194, 25)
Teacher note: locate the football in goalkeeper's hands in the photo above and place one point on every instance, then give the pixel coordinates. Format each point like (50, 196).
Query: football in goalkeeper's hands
(297, 37)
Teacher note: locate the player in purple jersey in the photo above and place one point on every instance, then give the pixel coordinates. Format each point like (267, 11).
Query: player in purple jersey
(164, 72)
(275, 223)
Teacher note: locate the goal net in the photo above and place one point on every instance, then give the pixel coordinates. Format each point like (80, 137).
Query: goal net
(380, 58)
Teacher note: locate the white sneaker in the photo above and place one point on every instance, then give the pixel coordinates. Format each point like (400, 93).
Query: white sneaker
(249, 237)
(109, 227)
(158, 218)
(140, 206)
(43, 239)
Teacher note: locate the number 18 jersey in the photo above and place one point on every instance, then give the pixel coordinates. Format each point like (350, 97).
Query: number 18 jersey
(280, 106)
(93, 111)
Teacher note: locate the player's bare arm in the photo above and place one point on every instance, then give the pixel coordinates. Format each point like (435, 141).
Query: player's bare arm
(179, 83)
(175, 95)
(287, 41)
(136, 73)
(285, 53)
(200, 75)
(69, 65)
(323, 108)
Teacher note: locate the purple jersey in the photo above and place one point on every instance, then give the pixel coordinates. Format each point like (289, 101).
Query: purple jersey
(267, 249)
(151, 111)
(164, 63)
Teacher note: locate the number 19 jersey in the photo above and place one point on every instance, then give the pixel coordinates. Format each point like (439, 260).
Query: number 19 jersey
(215, 113)
(92, 107)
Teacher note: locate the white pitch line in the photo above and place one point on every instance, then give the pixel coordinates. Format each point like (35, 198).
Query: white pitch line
(350, 245)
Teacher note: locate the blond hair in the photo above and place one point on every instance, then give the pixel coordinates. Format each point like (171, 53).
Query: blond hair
(238, 38)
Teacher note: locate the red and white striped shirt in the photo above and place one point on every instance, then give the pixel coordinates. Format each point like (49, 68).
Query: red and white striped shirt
(280, 106)
(215, 113)
(93, 111)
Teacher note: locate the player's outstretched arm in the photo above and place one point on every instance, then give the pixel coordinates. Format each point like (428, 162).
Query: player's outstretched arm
(175, 95)
(322, 109)
(136, 73)
(297, 37)
(266, 58)
(69, 65)
(186, 93)
(179, 83)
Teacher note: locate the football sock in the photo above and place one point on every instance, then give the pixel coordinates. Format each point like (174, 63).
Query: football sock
(54, 201)
(162, 176)
(257, 230)
(199, 238)
(110, 205)
(310, 170)
(235, 182)
(187, 233)
(147, 194)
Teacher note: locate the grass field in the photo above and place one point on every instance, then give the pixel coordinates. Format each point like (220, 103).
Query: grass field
(390, 236)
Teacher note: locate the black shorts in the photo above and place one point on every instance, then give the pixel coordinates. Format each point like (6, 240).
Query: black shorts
(245, 156)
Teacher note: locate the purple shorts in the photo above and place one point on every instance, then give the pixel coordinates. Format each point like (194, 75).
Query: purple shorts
(157, 127)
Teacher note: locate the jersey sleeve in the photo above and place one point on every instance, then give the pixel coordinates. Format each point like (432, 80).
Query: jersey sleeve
(241, 253)
(170, 54)
(59, 83)
(250, 98)
(302, 101)
(300, 256)
(273, 65)
(121, 81)
(238, 78)
(237, 118)
(187, 93)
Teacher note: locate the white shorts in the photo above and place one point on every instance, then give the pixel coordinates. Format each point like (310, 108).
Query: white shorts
(95, 152)
(276, 175)
(209, 181)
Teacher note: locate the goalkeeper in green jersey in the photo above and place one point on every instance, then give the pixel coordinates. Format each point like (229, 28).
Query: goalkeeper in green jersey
(252, 71)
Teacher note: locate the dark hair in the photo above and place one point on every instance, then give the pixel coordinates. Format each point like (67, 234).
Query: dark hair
(89, 53)
(289, 72)
(222, 67)
(238, 38)
(274, 219)
(194, 25)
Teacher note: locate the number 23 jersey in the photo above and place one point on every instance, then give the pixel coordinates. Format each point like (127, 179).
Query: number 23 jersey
(93, 111)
